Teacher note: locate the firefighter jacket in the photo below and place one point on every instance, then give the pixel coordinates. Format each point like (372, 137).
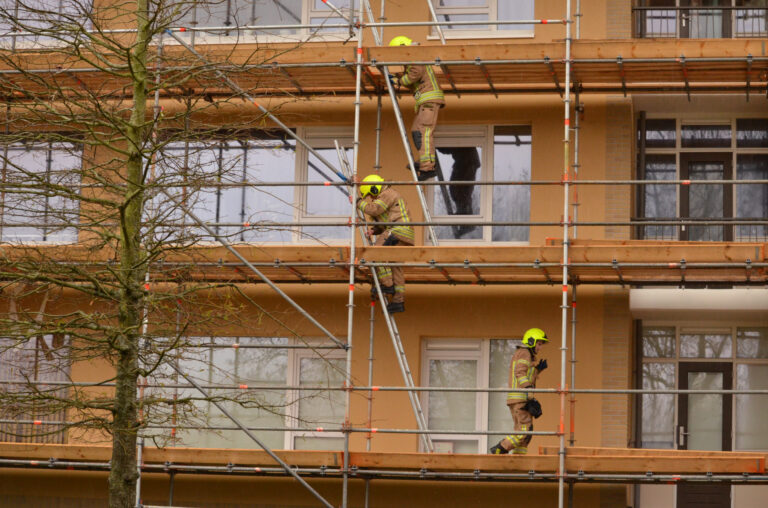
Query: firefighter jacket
(421, 79)
(389, 206)
(522, 374)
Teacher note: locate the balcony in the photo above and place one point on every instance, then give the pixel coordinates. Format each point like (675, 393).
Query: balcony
(689, 22)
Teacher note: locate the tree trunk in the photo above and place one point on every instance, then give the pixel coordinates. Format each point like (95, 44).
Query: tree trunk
(124, 474)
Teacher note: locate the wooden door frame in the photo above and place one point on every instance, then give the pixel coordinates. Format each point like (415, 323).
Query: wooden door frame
(727, 159)
(726, 368)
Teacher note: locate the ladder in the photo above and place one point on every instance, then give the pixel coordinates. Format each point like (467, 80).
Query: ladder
(394, 333)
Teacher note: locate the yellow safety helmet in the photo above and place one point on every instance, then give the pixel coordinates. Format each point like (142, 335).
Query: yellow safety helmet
(534, 336)
(371, 188)
(400, 40)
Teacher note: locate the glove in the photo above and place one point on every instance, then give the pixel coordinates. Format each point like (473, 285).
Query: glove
(391, 240)
(533, 407)
(394, 81)
(542, 365)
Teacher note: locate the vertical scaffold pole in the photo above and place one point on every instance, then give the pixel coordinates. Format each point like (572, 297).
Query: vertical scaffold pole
(564, 305)
(352, 256)
(566, 210)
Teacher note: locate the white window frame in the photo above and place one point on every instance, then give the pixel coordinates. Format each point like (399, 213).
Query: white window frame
(492, 31)
(294, 376)
(318, 137)
(303, 35)
(50, 149)
(708, 119)
(471, 136)
(462, 349)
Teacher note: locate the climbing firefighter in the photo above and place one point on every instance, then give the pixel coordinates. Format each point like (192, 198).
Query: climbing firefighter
(429, 100)
(523, 406)
(382, 203)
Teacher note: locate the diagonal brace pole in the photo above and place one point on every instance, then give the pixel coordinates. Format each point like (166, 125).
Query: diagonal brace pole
(255, 270)
(251, 435)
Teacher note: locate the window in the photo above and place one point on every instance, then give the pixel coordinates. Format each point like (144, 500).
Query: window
(481, 154)
(668, 350)
(262, 362)
(235, 13)
(218, 179)
(324, 204)
(40, 359)
(485, 10)
(45, 21)
(29, 215)
(731, 151)
(216, 173)
(466, 364)
(700, 19)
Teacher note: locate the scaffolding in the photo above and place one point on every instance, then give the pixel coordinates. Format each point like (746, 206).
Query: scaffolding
(552, 264)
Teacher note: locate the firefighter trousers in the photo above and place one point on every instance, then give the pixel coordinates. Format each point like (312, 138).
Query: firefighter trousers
(423, 132)
(518, 443)
(391, 275)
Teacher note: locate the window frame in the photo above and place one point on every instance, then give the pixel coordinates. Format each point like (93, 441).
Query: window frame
(46, 147)
(462, 349)
(482, 136)
(693, 327)
(490, 8)
(678, 151)
(301, 35)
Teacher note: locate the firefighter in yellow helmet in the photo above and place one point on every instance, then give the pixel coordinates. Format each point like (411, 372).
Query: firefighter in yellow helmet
(429, 100)
(523, 372)
(382, 203)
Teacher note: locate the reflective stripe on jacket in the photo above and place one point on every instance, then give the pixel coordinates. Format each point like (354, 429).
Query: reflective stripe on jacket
(389, 206)
(422, 80)
(522, 374)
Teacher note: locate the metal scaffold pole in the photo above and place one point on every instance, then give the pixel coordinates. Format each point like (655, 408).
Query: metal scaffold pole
(352, 234)
(561, 473)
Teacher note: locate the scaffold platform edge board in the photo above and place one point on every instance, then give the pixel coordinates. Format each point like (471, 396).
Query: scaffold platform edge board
(671, 461)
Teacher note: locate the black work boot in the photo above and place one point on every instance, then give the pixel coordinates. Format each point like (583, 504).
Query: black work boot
(387, 290)
(425, 175)
(497, 449)
(395, 307)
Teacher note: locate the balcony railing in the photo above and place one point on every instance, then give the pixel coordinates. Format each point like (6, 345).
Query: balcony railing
(700, 22)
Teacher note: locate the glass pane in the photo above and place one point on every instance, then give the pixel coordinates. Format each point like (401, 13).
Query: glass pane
(659, 342)
(456, 446)
(658, 426)
(252, 366)
(705, 201)
(331, 202)
(512, 162)
(750, 22)
(752, 200)
(41, 218)
(660, 200)
(705, 345)
(705, 23)
(705, 412)
(659, 133)
(321, 407)
(318, 443)
(276, 12)
(751, 423)
(706, 136)
(517, 10)
(752, 133)
(463, 17)
(271, 160)
(752, 343)
(459, 164)
(452, 411)
(499, 417)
